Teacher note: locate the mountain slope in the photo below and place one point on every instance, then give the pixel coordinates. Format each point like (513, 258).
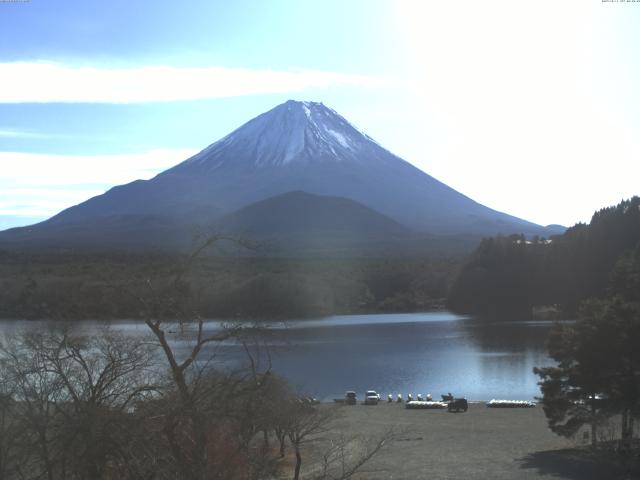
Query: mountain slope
(297, 222)
(301, 213)
(297, 146)
(106, 232)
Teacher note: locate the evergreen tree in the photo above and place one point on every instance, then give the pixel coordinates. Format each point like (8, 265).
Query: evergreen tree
(598, 370)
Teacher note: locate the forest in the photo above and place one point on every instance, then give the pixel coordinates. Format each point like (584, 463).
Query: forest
(515, 275)
(73, 286)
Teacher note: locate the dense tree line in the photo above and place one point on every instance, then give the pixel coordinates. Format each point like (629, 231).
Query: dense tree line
(515, 274)
(81, 286)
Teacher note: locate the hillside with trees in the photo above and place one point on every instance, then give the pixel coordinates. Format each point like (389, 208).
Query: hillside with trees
(76, 286)
(514, 275)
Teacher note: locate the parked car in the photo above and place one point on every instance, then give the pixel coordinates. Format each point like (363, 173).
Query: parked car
(350, 398)
(371, 397)
(458, 404)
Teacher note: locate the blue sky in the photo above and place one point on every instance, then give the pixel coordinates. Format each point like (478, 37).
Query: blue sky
(529, 109)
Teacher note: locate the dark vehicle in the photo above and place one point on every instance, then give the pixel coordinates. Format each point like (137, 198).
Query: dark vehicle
(458, 404)
(350, 398)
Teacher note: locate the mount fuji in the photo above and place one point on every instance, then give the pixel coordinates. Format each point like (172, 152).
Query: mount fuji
(302, 147)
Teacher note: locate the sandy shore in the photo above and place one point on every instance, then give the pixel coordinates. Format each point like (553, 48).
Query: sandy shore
(482, 443)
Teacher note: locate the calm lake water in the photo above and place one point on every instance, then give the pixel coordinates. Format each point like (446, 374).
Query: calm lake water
(414, 353)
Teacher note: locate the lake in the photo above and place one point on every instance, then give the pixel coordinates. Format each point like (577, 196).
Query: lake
(435, 353)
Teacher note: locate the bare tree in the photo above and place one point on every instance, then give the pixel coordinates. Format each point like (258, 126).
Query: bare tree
(276, 397)
(35, 392)
(247, 404)
(347, 456)
(306, 421)
(73, 397)
(187, 424)
(10, 432)
(310, 425)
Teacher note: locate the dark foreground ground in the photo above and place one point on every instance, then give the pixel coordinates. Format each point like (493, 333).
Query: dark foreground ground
(482, 443)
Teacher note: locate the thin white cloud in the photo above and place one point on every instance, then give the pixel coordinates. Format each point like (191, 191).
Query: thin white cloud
(42, 185)
(45, 82)
(28, 135)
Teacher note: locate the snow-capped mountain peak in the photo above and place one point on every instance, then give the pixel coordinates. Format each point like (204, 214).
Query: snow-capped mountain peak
(291, 132)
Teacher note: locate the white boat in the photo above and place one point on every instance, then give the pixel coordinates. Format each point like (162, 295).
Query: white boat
(426, 405)
(493, 403)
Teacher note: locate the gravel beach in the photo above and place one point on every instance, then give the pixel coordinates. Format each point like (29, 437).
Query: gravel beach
(483, 443)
